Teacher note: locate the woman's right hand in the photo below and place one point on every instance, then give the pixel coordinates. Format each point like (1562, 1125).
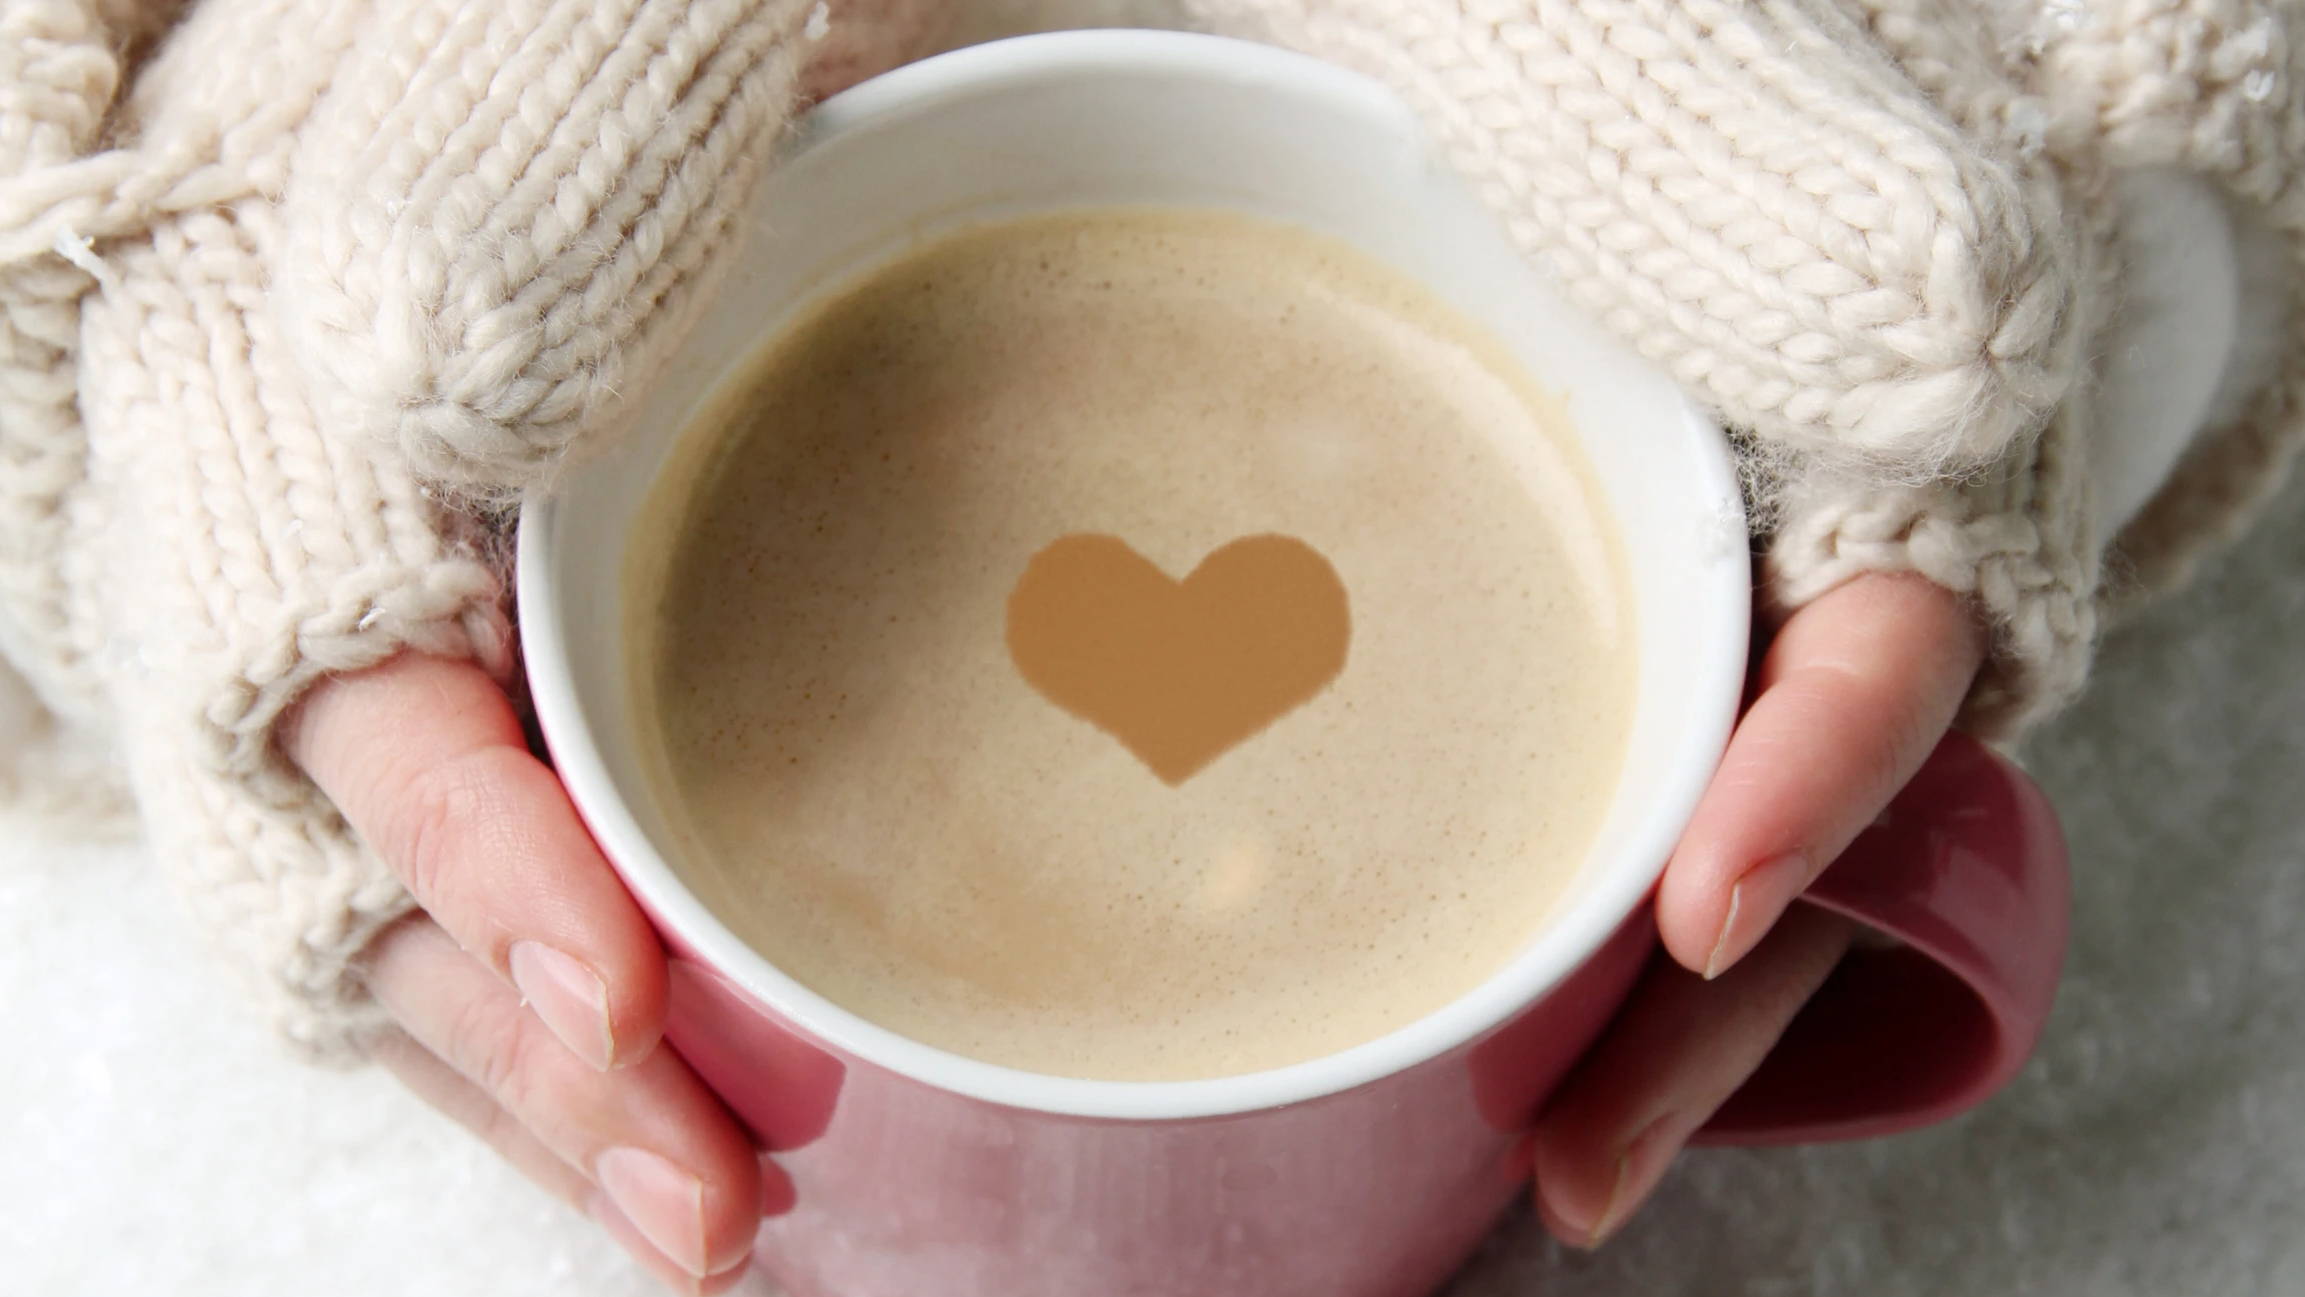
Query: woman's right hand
(529, 991)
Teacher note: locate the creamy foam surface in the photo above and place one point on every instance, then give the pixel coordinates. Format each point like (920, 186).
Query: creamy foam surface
(858, 779)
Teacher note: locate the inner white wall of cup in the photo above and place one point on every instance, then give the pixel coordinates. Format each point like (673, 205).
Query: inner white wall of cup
(1126, 118)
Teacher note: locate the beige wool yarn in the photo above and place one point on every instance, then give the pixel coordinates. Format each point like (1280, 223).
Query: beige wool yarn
(1876, 235)
(501, 215)
(209, 499)
(1754, 195)
(288, 287)
(1838, 243)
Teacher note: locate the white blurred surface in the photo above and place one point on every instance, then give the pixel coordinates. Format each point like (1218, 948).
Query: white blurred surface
(157, 1141)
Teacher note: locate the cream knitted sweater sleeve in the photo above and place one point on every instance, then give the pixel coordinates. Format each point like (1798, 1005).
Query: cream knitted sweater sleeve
(1877, 236)
(277, 279)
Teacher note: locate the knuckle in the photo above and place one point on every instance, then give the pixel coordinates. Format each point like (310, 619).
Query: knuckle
(1878, 725)
(443, 810)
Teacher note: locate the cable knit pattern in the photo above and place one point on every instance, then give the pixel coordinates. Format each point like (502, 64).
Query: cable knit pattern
(315, 214)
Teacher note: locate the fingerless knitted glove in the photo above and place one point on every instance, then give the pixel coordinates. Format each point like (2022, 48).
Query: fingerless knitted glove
(341, 260)
(1877, 236)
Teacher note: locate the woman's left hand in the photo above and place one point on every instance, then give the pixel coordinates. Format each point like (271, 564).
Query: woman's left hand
(1853, 695)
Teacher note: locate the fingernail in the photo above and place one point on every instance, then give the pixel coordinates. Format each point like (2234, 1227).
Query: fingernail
(621, 1228)
(663, 1202)
(1606, 1222)
(720, 1281)
(569, 997)
(1755, 904)
(1638, 1170)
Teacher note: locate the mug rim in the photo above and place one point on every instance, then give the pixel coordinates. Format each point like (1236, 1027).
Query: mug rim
(1564, 943)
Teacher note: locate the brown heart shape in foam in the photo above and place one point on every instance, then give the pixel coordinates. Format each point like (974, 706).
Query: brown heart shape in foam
(1180, 672)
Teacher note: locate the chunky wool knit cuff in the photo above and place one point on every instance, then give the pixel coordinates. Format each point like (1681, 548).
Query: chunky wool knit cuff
(242, 556)
(2015, 539)
(348, 263)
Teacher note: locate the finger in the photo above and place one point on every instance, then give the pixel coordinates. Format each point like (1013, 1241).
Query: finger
(655, 1141)
(635, 1241)
(440, 1086)
(468, 1106)
(1854, 694)
(427, 762)
(1675, 1054)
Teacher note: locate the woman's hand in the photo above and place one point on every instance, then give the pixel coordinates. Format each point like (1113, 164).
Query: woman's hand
(1854, 693)
(519, 909)
(530, 991)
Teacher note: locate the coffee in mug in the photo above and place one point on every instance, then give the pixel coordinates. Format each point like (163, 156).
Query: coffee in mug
(1133, 644)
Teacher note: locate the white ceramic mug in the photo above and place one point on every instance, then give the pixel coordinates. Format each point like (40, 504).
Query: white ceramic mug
(1368, 1173)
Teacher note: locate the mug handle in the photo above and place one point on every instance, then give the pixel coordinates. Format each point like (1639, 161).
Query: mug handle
(1966, 874)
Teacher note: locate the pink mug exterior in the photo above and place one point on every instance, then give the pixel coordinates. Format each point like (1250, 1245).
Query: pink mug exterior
(905, 1189)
